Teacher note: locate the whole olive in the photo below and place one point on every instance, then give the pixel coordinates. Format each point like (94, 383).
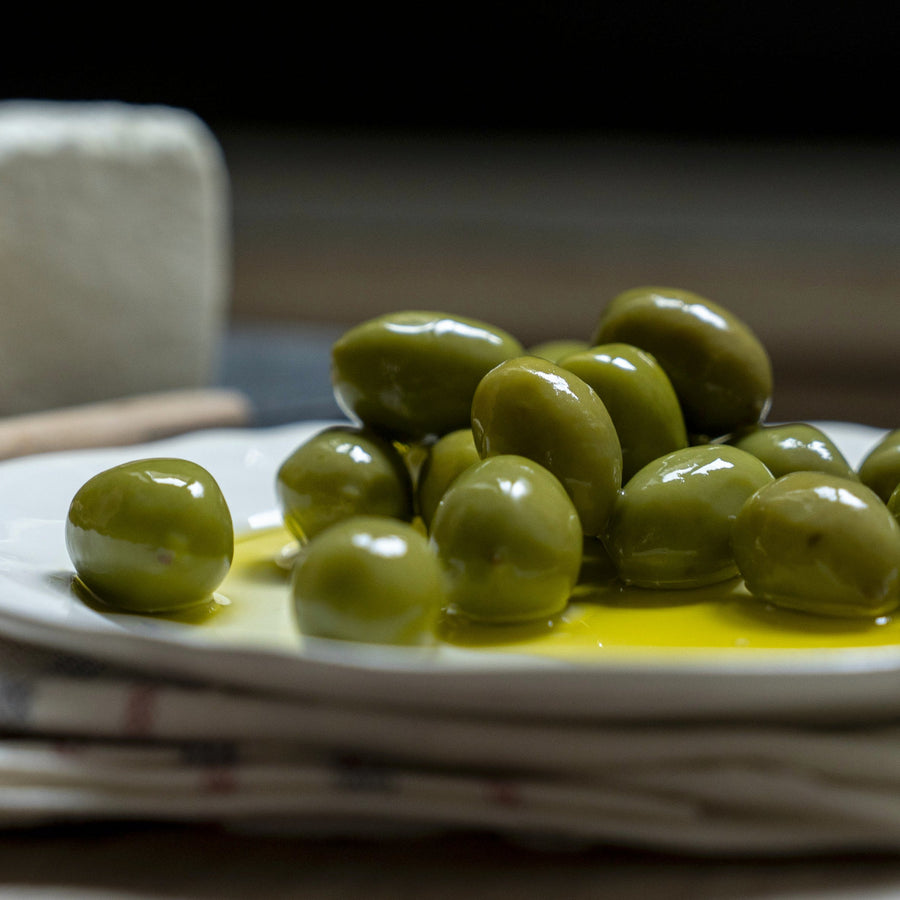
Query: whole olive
(880, 469)
(718, 367)
(448, 457)
(794, 447)
(819, 543)
(412, 374)
(339, 472)
(533, 408)
(671, 525)
(151, 535)
(510, 541)
(368, 579)
(640, 400)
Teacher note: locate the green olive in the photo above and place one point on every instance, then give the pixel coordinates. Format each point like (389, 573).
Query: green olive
(671, 526)
(510, 541)
(893, 503)
(412, 374)
(555, 350)
(880, 469)
(820, 543)
(531, 407)
(152, 535)
(339, 472)
(719, 369)
(368, 579)
(794, 447)
(639, 397)
(451, 455)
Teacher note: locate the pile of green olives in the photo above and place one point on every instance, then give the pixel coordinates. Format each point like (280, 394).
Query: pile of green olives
(647, 439)
(476, 478)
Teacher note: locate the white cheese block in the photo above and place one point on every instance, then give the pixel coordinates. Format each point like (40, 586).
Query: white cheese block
(115, 252)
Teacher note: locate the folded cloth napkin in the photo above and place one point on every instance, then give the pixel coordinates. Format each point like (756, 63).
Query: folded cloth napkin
(84, 739)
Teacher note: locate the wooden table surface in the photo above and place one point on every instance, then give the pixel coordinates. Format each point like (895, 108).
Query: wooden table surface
(204, 863)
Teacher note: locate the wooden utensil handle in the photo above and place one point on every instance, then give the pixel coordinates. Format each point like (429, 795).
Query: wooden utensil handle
(130, 420)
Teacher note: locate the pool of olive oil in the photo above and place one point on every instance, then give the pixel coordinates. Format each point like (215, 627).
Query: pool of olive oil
(254, 606)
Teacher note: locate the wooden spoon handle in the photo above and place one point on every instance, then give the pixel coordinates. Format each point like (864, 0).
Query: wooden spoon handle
(132, 420)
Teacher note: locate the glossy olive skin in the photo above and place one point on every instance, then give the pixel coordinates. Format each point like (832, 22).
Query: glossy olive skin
(794, 447)
(412, 374)
(718, 367)
(821, 544)
(448, 457)
(510, 541)
(151, 536)
(556, 350)
(893, 503)
(534, 408)
(640, 400)
(368, 579)
(339, 472)
(671, 526)
(880, 470)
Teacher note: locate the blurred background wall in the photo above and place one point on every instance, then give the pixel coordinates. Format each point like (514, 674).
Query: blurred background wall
(524, 163)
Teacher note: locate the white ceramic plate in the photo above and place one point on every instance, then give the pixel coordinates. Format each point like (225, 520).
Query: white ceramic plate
(38, 606)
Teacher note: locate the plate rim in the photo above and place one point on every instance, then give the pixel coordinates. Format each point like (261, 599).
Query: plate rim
(374, 673)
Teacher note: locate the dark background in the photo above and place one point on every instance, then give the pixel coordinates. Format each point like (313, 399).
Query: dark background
(707, 69)
(540, 158)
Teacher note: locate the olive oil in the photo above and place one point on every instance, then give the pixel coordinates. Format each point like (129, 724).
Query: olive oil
(603, 620)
